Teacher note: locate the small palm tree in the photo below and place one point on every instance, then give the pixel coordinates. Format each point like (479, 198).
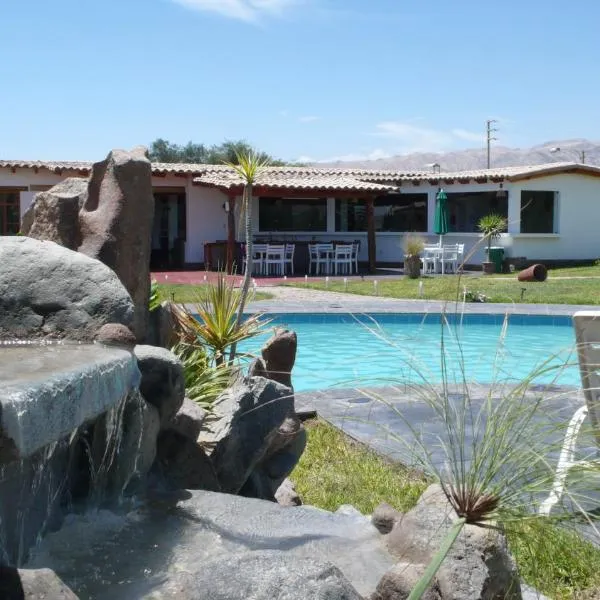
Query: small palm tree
(249, 166)
(491, 226)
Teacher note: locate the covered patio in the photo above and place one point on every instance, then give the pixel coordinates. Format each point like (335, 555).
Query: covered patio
(291, 208)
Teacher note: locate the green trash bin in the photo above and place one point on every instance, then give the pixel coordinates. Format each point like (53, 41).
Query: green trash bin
(497, 257)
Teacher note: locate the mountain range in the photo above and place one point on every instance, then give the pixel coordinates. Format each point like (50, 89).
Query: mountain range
(577, 150)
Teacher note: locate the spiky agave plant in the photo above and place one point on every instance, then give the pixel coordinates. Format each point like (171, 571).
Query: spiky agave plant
(212, 321)
(248, 168)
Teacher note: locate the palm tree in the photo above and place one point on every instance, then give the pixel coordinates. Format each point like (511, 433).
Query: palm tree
(249, 166)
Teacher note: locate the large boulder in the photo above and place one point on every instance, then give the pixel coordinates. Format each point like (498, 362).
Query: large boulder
(257, 437)
(116, 224)
(265, 575)
(478, 565)
(163, 382)
(54, 214)
(189, 420)
(32, 584)
(48, 291)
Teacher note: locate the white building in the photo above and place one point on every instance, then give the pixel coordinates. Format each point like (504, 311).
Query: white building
(553, 210)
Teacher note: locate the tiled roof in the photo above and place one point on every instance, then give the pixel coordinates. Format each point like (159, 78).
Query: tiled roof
(298, 180)
(322, 178)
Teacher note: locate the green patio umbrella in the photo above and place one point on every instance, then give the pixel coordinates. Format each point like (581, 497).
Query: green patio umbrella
(440, 223)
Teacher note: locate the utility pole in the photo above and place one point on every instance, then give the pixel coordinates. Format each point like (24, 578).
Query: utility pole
(489, 130)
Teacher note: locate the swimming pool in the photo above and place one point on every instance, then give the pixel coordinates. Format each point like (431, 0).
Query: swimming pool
(383, 349)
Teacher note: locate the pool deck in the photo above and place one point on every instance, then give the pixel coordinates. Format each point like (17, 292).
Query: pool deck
(299, 300)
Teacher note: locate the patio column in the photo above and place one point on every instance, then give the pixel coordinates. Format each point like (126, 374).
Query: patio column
(230, 233)
(371, 242)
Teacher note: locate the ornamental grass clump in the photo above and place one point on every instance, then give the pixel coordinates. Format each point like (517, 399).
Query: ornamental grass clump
(494, 450)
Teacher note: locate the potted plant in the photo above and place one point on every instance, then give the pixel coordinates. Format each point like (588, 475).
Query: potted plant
(413, 247)
(491, 226)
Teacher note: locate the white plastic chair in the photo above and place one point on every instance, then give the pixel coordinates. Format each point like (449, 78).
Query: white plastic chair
(258, 258)
(289, 257)
(313, 257)
(275, 257)
(355, 252)
(342, 258)
(430, 259)
(587, 335)
(449, 258)
(324, 258)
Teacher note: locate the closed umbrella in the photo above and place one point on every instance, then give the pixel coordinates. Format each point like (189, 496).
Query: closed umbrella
(440, 223)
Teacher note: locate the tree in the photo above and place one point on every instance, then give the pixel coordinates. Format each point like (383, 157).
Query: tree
(248, 165)
(228, 152)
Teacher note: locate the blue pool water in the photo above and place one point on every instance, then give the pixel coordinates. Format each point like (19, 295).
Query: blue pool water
(385, 349)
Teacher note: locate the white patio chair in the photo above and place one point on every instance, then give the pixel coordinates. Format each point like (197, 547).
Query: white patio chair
(342, 258)
(449, 258)
(355, 252)
(289, 258)
(587, 335)
(275, 259)
(324, 258)
(430, 259)
(258, 258)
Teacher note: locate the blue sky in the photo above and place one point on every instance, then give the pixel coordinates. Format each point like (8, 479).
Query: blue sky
(318, 79)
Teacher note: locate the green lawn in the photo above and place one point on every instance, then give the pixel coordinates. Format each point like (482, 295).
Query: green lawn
(498, 289)
(589, 271)
(335, 470)
(183, 293)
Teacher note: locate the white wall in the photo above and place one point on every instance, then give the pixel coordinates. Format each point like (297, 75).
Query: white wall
(206, 220)
(578, 217)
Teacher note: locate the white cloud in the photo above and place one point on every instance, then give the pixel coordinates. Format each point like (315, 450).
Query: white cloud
(308, 119)
(245, 10)
(372, 155)
(414, 138)
(284, 113)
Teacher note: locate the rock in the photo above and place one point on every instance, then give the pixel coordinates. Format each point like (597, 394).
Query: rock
(188, 421)
(252, 433)
(116, 224)
(399, 581)
(265, 575)
(478, 565)
(32, 584)
(183, 463)
(286, 494)
(162, 329)
(115, 334)
(184, 532)
(279, 354)
(126, 464)
(258, 368)
(163, 382)
(385, 517)
(54, 215)
(47, 291)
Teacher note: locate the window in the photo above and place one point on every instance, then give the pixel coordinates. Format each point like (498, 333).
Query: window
(350, 215)
(292, 214)
(10, 211)
(465, 209)
(393, 212)
(538, 212)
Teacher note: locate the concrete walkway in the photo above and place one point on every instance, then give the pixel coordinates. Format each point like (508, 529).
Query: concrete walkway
(305, 300)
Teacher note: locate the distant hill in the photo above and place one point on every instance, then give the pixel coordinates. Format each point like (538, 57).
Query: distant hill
(476, 158)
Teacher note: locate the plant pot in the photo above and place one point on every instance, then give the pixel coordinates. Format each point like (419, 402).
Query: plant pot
(412, 267)
(489, 268)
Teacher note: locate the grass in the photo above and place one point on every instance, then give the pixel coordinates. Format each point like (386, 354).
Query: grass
(497, 289)
(185, 293)
(336, 470)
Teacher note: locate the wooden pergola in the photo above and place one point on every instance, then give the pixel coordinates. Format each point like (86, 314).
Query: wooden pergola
(234, 192)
